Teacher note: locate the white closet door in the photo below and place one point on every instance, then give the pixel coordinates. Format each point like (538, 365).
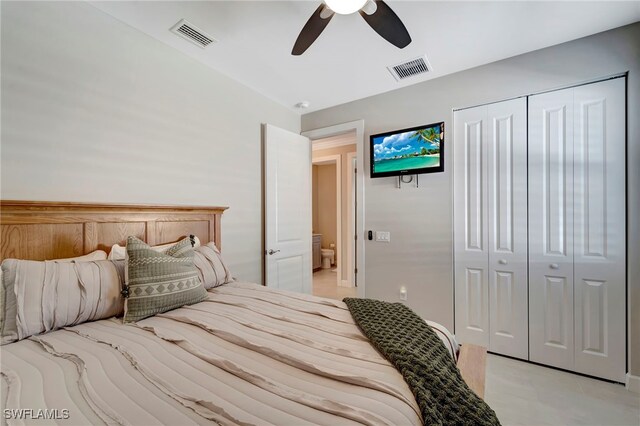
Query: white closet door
(599, 229)
(470, 217)
(507, 221)
(551, 228)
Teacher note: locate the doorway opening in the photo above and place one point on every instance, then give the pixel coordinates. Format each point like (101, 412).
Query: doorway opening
(356, 179)
(333, 215)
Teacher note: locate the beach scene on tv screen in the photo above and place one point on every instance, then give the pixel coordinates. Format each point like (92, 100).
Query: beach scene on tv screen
(415, 149)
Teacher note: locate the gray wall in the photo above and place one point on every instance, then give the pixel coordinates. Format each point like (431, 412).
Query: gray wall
(420, 219)
(94, 110)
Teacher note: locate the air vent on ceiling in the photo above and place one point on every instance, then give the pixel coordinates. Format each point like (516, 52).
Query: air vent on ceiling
(410, 68)
(190, 32)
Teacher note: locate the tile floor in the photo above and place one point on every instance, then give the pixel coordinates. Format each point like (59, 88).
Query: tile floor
(325, 285)
(526, 394)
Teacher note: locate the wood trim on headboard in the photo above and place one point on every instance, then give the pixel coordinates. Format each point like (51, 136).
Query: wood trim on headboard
(40, 230)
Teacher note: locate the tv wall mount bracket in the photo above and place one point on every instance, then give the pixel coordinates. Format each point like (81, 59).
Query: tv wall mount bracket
(402, 179)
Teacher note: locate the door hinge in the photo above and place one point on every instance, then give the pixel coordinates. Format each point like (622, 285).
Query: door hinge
(355, 271)
(355, 237)
(355, 170)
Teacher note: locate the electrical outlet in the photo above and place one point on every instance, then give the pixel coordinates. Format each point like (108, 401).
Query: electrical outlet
(383, 236)
(403, 293)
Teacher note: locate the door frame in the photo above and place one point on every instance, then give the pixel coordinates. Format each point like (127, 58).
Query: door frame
(325, 132)
(351, 222)
(337, 161)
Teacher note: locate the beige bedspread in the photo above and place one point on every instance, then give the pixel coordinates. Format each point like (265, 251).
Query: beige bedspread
(248, 355)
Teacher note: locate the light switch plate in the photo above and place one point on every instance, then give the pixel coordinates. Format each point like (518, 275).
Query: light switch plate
(383, 236)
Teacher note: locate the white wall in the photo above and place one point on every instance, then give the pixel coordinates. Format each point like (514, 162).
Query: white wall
(94, 110)
(420, 254)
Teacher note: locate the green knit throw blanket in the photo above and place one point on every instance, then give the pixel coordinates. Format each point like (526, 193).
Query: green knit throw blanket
(423, 360)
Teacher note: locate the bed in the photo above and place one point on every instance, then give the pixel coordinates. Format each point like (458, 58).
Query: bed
(246, 355)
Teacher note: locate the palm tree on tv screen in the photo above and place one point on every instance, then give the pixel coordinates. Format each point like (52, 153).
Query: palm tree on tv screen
(430, 134)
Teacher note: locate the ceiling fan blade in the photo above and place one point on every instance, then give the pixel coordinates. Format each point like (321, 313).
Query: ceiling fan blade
(312, 29)
(386, 23)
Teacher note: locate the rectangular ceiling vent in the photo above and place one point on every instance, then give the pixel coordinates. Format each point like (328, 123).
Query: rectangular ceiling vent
(190, 32)
(410, 68)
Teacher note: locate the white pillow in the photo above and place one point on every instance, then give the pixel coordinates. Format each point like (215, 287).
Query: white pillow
(119, 252)
(94, 255)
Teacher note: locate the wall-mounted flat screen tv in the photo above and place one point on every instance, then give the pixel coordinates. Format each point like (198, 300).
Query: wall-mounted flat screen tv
(408, 151)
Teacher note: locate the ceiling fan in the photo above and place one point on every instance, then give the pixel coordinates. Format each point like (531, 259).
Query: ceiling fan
(377, 13)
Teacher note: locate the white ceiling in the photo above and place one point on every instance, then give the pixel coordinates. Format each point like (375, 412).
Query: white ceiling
(349, 60)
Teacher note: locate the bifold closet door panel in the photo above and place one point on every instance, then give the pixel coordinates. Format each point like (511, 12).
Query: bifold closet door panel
(551, 315)
(507, 221)
(470, 213)
(599, 229)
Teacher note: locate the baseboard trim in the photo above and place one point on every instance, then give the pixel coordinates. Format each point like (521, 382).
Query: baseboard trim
(633, 383)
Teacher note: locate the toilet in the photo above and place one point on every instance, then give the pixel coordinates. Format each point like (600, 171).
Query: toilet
(327, 258)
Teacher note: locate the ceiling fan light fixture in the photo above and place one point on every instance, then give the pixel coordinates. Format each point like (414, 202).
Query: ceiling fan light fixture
(345, 7)
(376, 13)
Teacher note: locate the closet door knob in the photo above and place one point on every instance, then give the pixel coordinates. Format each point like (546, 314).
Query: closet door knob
(554, 266)
(502, 261)
(272, 252)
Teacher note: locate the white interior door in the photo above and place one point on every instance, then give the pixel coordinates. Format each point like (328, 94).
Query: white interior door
(551, 336)
(507, 221)
(599, 229)
(470, 218)
(287, 171)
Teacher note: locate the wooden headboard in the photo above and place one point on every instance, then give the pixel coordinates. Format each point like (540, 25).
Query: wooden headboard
(40, 230)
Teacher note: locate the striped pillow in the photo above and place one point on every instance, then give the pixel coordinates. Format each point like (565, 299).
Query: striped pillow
(38, 297)
(212, 269)
(159, 282)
